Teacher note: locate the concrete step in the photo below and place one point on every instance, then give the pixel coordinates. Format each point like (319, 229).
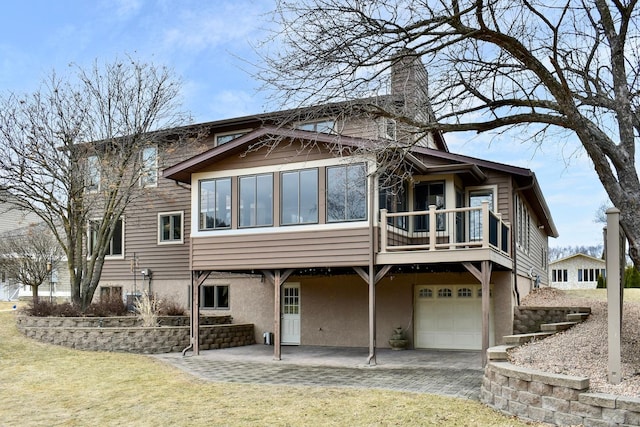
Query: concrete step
(556, 327)
(519, 339)
(499, 352)
(577, 317)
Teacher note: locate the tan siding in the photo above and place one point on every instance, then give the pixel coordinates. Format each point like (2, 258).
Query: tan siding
(284, 154)
(321, 248)
(167, 262)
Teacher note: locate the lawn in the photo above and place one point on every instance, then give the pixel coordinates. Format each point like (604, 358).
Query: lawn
(45, 385)
(630, 294)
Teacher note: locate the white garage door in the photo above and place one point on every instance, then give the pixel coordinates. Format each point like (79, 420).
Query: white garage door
(448, 317)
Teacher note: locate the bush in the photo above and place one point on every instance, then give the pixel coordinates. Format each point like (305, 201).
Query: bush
(45, 308)
(631, 277)
(107, 307)
(602, 282)
(169, 307)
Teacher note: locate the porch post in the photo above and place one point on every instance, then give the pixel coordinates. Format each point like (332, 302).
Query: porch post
(195, 313)
(197, 279)
(484, 277)
(486, 307)
(276, 315)
(372, 317)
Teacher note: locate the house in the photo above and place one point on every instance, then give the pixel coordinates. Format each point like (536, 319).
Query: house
(578, 271)
(15, 221)
(286, 222)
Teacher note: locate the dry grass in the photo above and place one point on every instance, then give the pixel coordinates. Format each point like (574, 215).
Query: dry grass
(630, 294)
(44, 385)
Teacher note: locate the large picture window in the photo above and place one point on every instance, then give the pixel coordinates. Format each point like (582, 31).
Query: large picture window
(256, 200)
(299, 197)
(346, 193)
(215, 204)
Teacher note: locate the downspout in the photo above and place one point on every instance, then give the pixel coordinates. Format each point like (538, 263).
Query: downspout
(191, 334)
(514, 233)
(371, 284)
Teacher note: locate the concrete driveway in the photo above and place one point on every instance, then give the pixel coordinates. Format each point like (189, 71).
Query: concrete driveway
(448, 373)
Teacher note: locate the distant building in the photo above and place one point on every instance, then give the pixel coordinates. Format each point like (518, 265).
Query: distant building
(577, 271)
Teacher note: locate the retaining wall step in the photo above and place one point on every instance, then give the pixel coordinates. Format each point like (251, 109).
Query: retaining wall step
(556, 327)
(499, 352)
(525, 338)
(573, 317)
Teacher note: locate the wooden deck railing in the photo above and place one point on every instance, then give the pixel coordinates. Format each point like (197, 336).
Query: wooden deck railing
(438, 229)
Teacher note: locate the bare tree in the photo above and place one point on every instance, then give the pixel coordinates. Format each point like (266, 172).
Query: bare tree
(73, 152)
(29, 255)
(493, 65)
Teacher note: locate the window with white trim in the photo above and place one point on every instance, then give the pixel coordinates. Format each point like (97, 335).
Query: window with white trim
(320, 126)
(256, 200)
(116, 244)
(215, 203)
(215, 296)
(299, 197)
(149, 166)
(524, 223)
(347, 193)
(93, 173)
(223, 138)
(170, 226)
(559, 275)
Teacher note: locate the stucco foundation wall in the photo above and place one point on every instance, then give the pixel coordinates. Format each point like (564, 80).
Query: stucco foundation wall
(174, 290)
(251, 300)
(555, 399)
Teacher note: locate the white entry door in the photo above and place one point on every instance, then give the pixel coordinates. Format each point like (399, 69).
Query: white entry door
(290, 314)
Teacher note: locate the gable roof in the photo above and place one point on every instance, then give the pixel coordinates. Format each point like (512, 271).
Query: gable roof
(579, 255)
(456, 163)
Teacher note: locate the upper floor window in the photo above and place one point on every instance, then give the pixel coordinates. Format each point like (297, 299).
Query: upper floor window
(228, 137)
(256, 200)
(523, 223)
(116, 244)
(346, 193)
(387, 128)
(170, 227)
(321, 126)
(215, 204)
(299, 197)
(149, 167)
(93, 173)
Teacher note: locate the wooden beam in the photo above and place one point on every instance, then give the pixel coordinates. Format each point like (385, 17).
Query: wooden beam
(484, 277)
(197, 279)
(277, 295)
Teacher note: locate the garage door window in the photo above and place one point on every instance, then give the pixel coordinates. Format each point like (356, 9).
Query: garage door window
(444, 293)
(425, 293)
(465, 293)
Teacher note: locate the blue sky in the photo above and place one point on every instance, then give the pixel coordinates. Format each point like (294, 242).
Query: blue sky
(203, 42)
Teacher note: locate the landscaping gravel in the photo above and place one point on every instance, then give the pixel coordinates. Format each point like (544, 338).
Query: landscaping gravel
(582, 350)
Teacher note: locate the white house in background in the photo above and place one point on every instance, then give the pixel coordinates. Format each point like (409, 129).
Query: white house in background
(58, 285)
(577, 271)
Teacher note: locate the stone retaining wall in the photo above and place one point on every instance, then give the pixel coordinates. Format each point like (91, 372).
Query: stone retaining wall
(112, 322)
(556, 399)
(133, 339)
(527, 320)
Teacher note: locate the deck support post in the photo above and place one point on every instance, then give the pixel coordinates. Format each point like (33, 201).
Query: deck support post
(484, 277)
(277, 278)
(197, 279)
